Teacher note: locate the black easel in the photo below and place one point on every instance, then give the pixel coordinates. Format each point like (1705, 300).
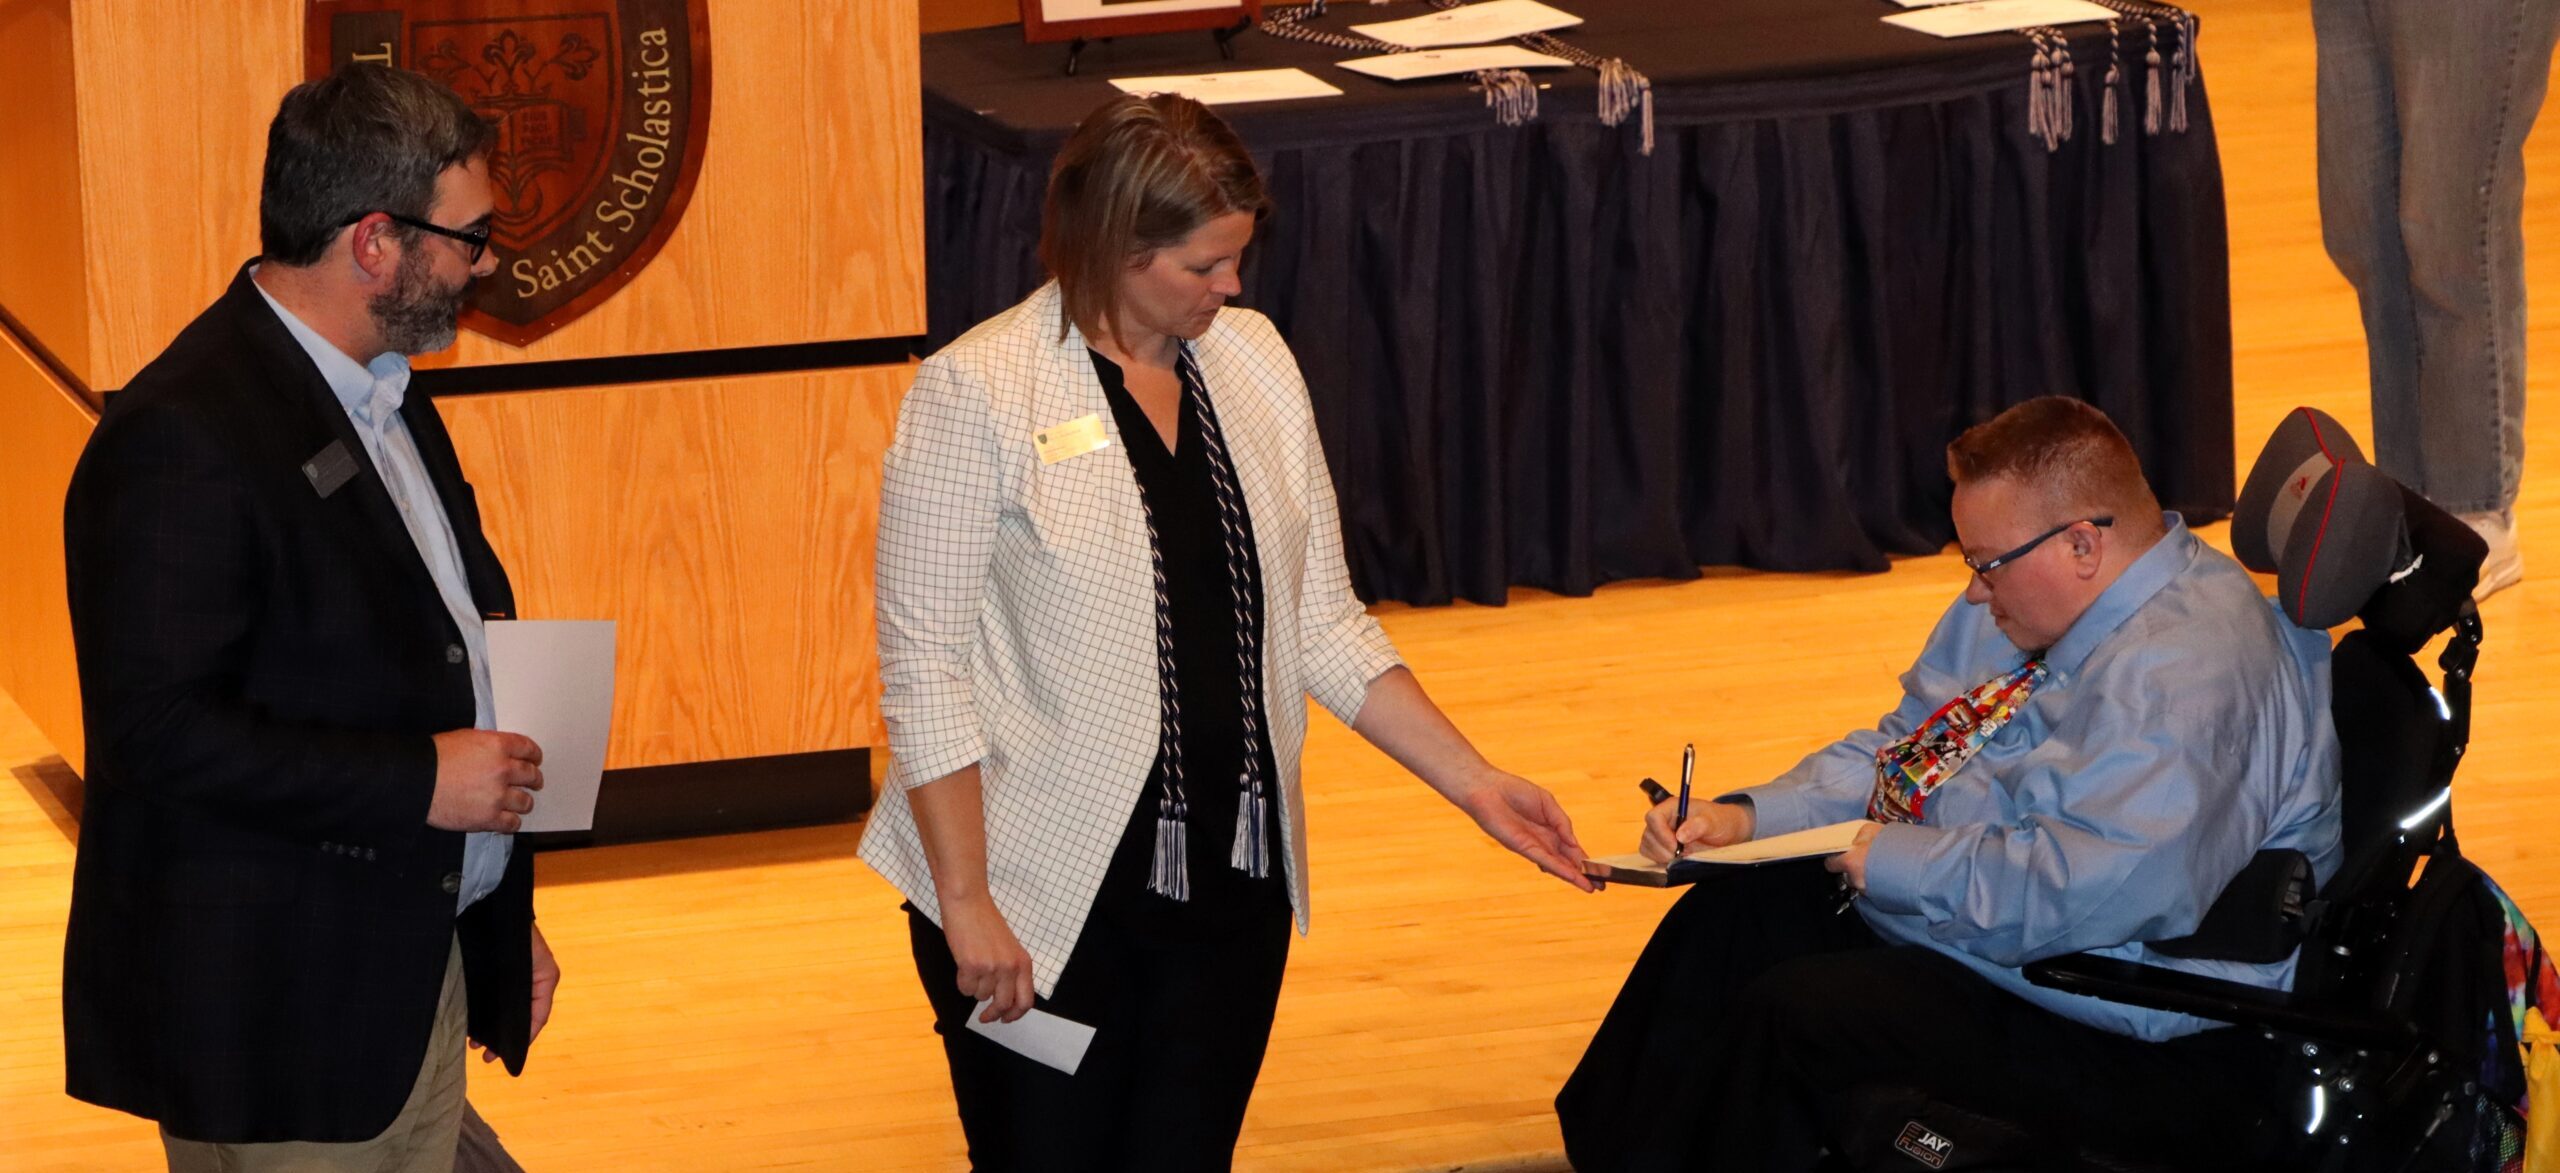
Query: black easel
(1075, 49)
(1225, 38)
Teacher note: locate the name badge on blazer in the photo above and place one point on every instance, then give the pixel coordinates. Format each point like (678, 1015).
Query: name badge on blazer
(1071, 439)
(330, 469)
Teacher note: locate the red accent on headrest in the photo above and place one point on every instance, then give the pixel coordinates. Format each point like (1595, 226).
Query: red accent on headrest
(2303, 601)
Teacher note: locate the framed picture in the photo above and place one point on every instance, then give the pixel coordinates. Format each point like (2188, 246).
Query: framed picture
(1068, 20)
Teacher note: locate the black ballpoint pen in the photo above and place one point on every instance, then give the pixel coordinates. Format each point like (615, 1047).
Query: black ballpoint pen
(1680, 816)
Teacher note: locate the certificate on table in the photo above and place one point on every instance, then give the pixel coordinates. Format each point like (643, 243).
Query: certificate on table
(1475, 24)
(552, 680)
(1228, 89)
(1997, 16)
(1442, 62)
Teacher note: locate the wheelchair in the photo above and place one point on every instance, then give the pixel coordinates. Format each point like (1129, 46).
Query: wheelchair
(2380, 1079)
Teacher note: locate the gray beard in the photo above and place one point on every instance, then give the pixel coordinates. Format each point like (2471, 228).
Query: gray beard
(413, 316)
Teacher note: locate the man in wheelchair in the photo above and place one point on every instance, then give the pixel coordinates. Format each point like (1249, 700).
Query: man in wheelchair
(2096, 739)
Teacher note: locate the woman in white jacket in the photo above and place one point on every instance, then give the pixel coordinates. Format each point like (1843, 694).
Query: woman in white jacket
(1108, 537)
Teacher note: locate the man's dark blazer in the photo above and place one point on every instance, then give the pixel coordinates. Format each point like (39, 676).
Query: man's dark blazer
(260, 914)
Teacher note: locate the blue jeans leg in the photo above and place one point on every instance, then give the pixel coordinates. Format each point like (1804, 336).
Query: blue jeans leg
(2424, 106)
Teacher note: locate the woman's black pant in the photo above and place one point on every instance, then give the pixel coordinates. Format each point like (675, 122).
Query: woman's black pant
(1180, 1027)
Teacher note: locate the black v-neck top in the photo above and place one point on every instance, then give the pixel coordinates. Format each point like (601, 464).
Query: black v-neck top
(1182, 502)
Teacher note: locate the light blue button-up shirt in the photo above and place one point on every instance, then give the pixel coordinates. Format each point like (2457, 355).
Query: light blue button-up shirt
(372, 396)
(2185, 725)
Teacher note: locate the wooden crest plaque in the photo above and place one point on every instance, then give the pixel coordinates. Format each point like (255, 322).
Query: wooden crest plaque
(602, 109)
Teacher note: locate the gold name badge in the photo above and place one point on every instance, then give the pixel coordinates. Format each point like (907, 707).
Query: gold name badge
(1071, 439)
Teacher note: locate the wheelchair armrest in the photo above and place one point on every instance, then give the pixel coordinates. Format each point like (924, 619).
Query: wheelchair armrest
(2149, 986)
(2258, 917)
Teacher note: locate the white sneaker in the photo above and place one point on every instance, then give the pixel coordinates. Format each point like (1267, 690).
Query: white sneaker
(2505, 565)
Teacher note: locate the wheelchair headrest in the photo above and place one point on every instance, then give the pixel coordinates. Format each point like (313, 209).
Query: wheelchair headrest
(2345, 540)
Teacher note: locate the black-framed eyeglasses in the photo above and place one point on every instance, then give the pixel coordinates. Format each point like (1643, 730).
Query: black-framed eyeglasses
(475, 241)
(1985, 568)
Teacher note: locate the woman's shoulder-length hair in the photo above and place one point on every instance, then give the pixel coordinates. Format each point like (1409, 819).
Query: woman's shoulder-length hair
(1138, 174)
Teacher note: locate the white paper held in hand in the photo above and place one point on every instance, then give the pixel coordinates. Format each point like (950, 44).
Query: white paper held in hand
(552, 680)
(1473, 24)
(1038, 1035)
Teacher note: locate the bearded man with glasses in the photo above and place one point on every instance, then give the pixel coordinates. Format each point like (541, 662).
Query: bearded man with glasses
(298, 897)
(2096, 738)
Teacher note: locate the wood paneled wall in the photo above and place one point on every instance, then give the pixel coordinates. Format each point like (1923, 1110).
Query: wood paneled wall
(727, 526)
(43, 281)
(42, 428)
(174, 100)
(806, 224)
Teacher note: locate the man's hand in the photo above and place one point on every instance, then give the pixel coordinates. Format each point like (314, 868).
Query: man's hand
(1853, 862)
(994, 967)
(1711, 824)
(1522, 816)
(484, 780)
(546, 978)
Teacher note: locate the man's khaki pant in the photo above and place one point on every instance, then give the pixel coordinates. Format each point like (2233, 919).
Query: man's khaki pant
(420, 1140)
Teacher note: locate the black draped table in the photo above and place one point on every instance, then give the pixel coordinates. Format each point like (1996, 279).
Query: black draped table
(1540, 357)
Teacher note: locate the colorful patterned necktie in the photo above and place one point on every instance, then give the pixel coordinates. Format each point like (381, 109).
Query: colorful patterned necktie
(1910, 770)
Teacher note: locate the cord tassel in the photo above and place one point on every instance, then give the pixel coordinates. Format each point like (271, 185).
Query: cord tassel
(2048, 104)
(2035, 91)
(1171, 876)
(2186, 72)
(2066, 103)
(1511, 95)
(2151, 86)
(2115, 77)
(2107, 118)
(1624, 91)
(1614, 91)
(1252, 852)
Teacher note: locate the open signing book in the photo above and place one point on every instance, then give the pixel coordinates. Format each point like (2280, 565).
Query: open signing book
(1634, 868)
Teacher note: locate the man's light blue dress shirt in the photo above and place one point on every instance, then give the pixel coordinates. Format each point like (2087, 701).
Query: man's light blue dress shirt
(2185, 725)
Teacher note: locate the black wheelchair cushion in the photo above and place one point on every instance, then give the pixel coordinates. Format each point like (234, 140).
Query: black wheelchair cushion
(2446, 554)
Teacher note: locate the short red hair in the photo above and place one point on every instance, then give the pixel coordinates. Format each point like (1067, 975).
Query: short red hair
(2069, 451)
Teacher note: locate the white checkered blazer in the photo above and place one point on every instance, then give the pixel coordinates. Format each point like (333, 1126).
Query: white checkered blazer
(1017, 608)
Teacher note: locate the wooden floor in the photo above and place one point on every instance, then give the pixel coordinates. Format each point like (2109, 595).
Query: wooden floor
(747, 1003)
